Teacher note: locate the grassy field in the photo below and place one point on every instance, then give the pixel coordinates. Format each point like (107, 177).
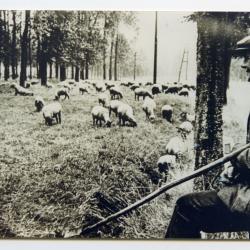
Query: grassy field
(62, 177)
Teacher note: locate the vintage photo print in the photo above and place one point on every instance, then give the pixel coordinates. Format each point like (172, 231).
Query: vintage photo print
(124, 124)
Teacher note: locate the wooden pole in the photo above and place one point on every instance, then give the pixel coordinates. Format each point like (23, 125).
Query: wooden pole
(179, 75)
(157, 192)
(155, 50)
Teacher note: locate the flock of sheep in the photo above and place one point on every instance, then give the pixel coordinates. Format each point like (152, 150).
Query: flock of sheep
(110, 96)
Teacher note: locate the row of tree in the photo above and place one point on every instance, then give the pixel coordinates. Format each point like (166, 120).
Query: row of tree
(57, 40)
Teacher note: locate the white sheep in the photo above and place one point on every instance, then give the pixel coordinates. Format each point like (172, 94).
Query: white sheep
(115, 93)
(109, 85)
(167, 112)
(83, 88)
(164, 164)
(187, 117)
(183, 92)
(113, 106)
(125, 114)
(176, 146)
(103, 99)
(61, 92)
(100, 87)
(52, 111)
(185, 128)
(100, 114)
(39, 103)
(156, 89)
(19, 90)
(142, 92)
(148, 107)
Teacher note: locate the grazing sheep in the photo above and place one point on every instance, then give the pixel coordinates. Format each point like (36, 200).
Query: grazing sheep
(83, 88)
(27, 85)
(142, 92)
(167, 113)
(187, 117)
(183, 92)
(148, 107)
(21, 91)
(115, 93)
(99, 115)
(125, 114)
(164, 164)
(34, 82)
(61, 92)
(52, 111)
(113, 106)
(126, 84)
(156, 89)
(172, 90)
(176, 146)
(135, 86)
(39, 103)
(103, 99)
(164, 86)
(109, 85)
(100, 87)
(185, 128)
(192, 87)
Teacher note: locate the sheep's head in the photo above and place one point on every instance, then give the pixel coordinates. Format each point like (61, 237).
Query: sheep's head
(152, 117)
(48, 120)
(108, 124)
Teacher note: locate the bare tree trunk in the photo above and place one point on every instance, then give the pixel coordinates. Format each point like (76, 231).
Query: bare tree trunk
(110, 60)
(62, 72)
(24, 49)
(77, 71)
(43, 61)
(14, 47)
(57, 70)
(30, 54)
(87, 67)
(210, 95)
(6, 59)
(104, 49)
(38, 52)
(116, 57)
(50, 70)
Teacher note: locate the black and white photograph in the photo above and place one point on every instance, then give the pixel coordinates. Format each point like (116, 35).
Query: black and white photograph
(124, 125)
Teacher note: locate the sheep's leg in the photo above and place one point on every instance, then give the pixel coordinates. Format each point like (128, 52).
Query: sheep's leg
(135, 97)
(93, 121)
(56, 116)
(109, 112)
(120, 120)
(60, 117)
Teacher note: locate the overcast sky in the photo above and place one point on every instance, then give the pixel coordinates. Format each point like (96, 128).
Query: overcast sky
(174, 35)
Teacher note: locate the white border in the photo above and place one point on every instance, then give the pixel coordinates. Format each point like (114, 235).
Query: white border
(170, 5)
(146, 5)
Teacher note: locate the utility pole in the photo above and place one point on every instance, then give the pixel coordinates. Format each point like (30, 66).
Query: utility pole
(134, 66)
(155, 51)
